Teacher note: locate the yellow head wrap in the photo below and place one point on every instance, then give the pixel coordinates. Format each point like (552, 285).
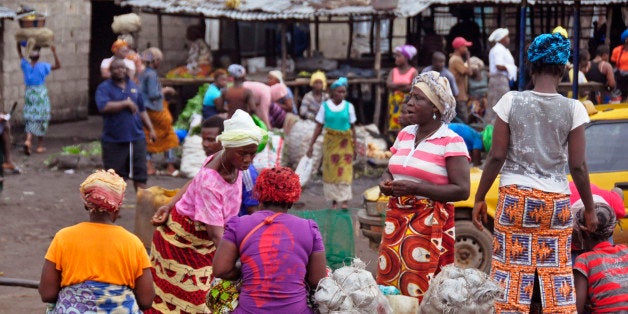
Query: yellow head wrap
(561, 30)
(318, 76)
(103, 191)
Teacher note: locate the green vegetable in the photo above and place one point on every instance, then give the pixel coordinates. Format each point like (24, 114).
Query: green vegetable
(193, 105)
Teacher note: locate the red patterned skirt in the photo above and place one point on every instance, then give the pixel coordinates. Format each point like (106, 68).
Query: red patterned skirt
(181, 255)
(533, 234)
(418, 240)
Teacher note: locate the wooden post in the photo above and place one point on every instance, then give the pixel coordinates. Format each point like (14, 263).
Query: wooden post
(160, 32)
(317, 41)
(521, 45)
(377, 67)
(609, 19)
(350, 43)
(284, 50)
(576, 48)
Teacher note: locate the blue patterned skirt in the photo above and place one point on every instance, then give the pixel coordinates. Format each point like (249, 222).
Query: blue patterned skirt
(95, 297)
(36, 110)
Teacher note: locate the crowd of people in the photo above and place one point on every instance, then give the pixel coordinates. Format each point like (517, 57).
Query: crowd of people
(231, 222)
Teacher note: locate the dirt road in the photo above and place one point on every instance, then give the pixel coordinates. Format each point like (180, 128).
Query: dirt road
(40, 201)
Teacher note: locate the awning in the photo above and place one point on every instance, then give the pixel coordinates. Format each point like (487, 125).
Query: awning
(266, 10)
(6, 13)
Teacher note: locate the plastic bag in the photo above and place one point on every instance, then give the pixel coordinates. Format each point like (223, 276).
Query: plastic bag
(192, 157)
(304, 170)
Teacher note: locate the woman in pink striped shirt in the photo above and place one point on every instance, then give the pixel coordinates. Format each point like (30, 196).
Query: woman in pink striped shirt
(429, 169)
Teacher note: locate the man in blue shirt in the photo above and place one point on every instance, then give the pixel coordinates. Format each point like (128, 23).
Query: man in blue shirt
(123, 141)
(472, 138)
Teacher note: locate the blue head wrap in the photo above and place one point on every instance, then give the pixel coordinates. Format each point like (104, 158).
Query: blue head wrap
(341, 81)
(549, 49)
(624, 35)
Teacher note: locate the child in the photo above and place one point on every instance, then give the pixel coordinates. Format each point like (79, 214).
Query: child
(600, 273)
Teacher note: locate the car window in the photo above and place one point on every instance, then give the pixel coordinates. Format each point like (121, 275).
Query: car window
(607, 149)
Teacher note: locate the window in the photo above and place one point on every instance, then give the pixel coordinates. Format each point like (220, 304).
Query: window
(606, 146)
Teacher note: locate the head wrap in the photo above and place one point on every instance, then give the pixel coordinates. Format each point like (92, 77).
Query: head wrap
(276, 74)
(318, 76)
(151, 54)
(549, 49)
(624, 36)
(341, 81)
(119, 43)
(438, 90)
(560, 30)
(277, 185)
(498, 34)
(278, 91)
(476, 63)
(606, 219)
(236, 71)
(407, 51)
(103, 191)
(240, 131)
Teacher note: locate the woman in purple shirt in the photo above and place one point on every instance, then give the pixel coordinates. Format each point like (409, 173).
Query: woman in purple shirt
(281, 254)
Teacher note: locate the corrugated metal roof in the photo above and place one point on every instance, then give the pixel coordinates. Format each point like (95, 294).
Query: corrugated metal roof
(531, 2)
(262, 10)
(6, 13)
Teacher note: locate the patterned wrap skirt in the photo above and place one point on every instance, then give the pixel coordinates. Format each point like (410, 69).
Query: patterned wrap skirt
(533, 234)
(395, 101)
(418, 241)
(95, 297)
(162, 123)
(36, 110)
(181, 255)
(337, 165)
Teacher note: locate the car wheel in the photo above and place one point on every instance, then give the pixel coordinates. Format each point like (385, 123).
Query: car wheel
(473, 248)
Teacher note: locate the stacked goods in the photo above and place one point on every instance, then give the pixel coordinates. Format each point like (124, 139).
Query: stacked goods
(31, 32)
(126, 23)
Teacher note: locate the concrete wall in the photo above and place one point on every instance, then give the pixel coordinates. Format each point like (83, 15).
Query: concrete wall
(68, 86)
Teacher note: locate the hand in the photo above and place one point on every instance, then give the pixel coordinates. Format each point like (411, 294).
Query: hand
(590, 220)
(130, 105)
(309, 152)
(479, 214)
(403, 188)
(152, 135)
(168, 90)
(385, 187)
(161, 215)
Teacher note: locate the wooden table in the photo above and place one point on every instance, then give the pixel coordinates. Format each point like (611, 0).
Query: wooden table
(583, 88)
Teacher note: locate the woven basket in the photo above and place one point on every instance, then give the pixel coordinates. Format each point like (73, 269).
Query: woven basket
(39, 21)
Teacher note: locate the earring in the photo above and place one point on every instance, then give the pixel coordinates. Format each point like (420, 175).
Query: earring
(434, 115)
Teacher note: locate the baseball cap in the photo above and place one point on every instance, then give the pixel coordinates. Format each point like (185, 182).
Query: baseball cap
(459, 42)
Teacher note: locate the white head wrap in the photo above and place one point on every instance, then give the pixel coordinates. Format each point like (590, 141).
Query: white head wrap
(276, 74)
(240, 131)
(498, 34)
(438, 91)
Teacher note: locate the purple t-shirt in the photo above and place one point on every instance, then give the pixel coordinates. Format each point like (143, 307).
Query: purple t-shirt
(274, 261)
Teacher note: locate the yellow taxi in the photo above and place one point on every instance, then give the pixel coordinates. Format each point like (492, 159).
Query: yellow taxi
(607, 160)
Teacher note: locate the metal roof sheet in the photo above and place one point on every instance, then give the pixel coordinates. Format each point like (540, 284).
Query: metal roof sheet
(531, 2)
(271, 9)
(6, 13)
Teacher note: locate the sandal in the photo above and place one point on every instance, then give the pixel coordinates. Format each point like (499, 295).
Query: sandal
(11, 169)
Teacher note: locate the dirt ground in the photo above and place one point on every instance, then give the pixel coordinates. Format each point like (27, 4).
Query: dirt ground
(40, 201)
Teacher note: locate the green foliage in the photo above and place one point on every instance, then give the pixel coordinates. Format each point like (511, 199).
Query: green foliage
(193, 105)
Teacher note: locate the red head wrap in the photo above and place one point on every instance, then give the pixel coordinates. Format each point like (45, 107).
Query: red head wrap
(277, 185)
(103, 191)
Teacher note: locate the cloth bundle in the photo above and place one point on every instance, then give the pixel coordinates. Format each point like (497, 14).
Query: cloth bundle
(126, 23)
(351, 289)
(34, 36)
(457, 290)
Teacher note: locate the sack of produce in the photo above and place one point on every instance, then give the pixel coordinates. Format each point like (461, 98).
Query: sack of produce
(35, 36)
(126, 23)
(148, 201)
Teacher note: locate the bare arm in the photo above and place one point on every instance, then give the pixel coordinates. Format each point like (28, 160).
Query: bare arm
(385, 184)
(224, 265)
(161, 215)
(215, 233)
(250, 100)
(149, 125)
(19, 50)
(582, 291)
(501, 67)
(457, 189)
(580, 175)
(50, 282)
(316, 269)
(494, 162)
(57, 64)
(607, 69)
(144, 291)
(317, 131)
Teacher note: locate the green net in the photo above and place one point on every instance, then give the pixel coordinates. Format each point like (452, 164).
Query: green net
(336, 227)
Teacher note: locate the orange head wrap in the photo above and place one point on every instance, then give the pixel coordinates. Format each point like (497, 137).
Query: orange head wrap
(103, 191)
(277, 185)
(119, 43)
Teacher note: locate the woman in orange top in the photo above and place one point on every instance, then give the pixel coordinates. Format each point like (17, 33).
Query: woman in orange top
(619, 58)
(399, 83)
(96, 266)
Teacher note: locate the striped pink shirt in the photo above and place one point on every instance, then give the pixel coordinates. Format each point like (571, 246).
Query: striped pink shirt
(427, 161)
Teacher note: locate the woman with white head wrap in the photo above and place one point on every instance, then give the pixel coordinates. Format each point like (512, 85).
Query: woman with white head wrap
(428, 171)
(191, 225)
(502, 70)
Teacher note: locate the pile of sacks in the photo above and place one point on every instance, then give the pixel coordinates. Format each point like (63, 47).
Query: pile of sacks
(351, 289)
(457, 290)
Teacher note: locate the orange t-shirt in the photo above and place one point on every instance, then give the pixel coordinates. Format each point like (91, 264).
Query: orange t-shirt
(98, 252)
(620, 58)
